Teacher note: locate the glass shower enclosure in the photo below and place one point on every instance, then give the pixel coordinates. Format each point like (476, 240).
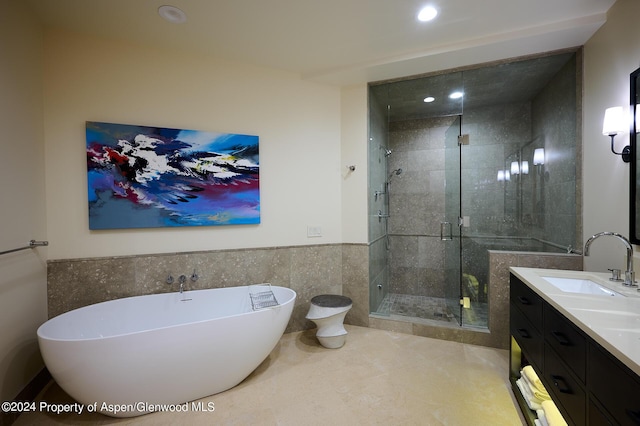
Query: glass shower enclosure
(452, 175)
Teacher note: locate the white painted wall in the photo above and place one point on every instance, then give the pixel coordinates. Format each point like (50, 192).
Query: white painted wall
(298, 123)
(354, 153)
(23, 291)
(609, 57)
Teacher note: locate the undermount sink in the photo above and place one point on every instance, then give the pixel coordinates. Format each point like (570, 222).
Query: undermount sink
(580, 285)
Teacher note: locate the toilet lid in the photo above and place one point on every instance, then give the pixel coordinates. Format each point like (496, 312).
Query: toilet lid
(331, 301)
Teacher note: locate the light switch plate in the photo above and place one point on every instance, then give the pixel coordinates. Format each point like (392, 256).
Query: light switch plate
(314, 231)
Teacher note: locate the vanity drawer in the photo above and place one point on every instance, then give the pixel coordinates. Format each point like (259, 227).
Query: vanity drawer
(565, 338)
(615, 387)
(527, 336)
(565, 390)
(527, 301)
(597, 416)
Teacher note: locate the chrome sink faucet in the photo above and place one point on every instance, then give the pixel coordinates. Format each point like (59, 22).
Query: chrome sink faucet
(629, 274)
(182, 279)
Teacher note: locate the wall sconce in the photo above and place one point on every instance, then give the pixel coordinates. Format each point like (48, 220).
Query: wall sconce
(515, 168)
(519, 168)
(614, 123)
(504, 175)
(538, 156)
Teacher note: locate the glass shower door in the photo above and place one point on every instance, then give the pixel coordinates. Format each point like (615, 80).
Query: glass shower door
(450, 228)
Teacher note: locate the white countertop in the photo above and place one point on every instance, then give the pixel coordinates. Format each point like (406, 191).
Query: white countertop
(612, 321)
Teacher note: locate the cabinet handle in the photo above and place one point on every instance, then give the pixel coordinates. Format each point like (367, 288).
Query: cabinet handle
(524, 300)
(561, 338)
(524, 333)
(560, 383)
(635, 415)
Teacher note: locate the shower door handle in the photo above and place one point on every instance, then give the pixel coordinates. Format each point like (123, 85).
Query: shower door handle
(444, 237)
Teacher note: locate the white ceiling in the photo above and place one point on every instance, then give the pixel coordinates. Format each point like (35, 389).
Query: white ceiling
(340, 41)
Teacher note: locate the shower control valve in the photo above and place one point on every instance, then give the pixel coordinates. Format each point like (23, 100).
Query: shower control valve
(170, 279)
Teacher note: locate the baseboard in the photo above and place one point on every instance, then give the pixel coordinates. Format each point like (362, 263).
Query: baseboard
(29, 393)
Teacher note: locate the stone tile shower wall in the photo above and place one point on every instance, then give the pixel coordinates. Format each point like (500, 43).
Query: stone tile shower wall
(496, 132)
(309, 270)
(555, 127)
(416, 205)
(418, 196)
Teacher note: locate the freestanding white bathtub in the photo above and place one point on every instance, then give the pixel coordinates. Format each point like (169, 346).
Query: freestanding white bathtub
(130, 356)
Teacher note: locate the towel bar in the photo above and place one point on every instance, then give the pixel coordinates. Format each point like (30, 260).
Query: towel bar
(32, 244)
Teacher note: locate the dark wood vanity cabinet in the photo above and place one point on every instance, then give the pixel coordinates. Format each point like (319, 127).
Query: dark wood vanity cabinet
(526, 321)
(587, 383)
(566, 340)
(564, 387)
(614, 387)
(527, 301)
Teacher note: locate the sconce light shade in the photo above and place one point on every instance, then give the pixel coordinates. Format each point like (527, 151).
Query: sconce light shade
(614, 121)
(500, 175)
(515, 168)
(524, 167)
(538, 157)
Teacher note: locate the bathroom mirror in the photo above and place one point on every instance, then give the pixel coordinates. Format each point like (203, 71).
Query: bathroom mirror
(634, 214)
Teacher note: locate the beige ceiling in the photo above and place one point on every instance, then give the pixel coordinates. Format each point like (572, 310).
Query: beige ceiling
(340, 41)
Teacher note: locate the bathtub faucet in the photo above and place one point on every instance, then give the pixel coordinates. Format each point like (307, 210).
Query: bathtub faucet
(629, 275)
(182, 279)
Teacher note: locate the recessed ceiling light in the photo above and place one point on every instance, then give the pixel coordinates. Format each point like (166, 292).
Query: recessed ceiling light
(172, 14)
(427, 13)
(429, 99)
(456, 95)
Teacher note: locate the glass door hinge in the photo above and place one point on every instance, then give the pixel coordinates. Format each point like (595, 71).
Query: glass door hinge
(464, 221)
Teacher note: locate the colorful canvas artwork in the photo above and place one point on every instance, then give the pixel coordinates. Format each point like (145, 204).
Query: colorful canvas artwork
(147, 177)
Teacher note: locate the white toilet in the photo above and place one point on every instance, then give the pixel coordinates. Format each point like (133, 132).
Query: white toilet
(327, 311)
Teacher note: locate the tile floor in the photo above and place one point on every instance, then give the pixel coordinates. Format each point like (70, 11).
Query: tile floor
(432, 309)
(377, 378)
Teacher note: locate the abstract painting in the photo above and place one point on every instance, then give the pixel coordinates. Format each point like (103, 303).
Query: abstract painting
(148, 177)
